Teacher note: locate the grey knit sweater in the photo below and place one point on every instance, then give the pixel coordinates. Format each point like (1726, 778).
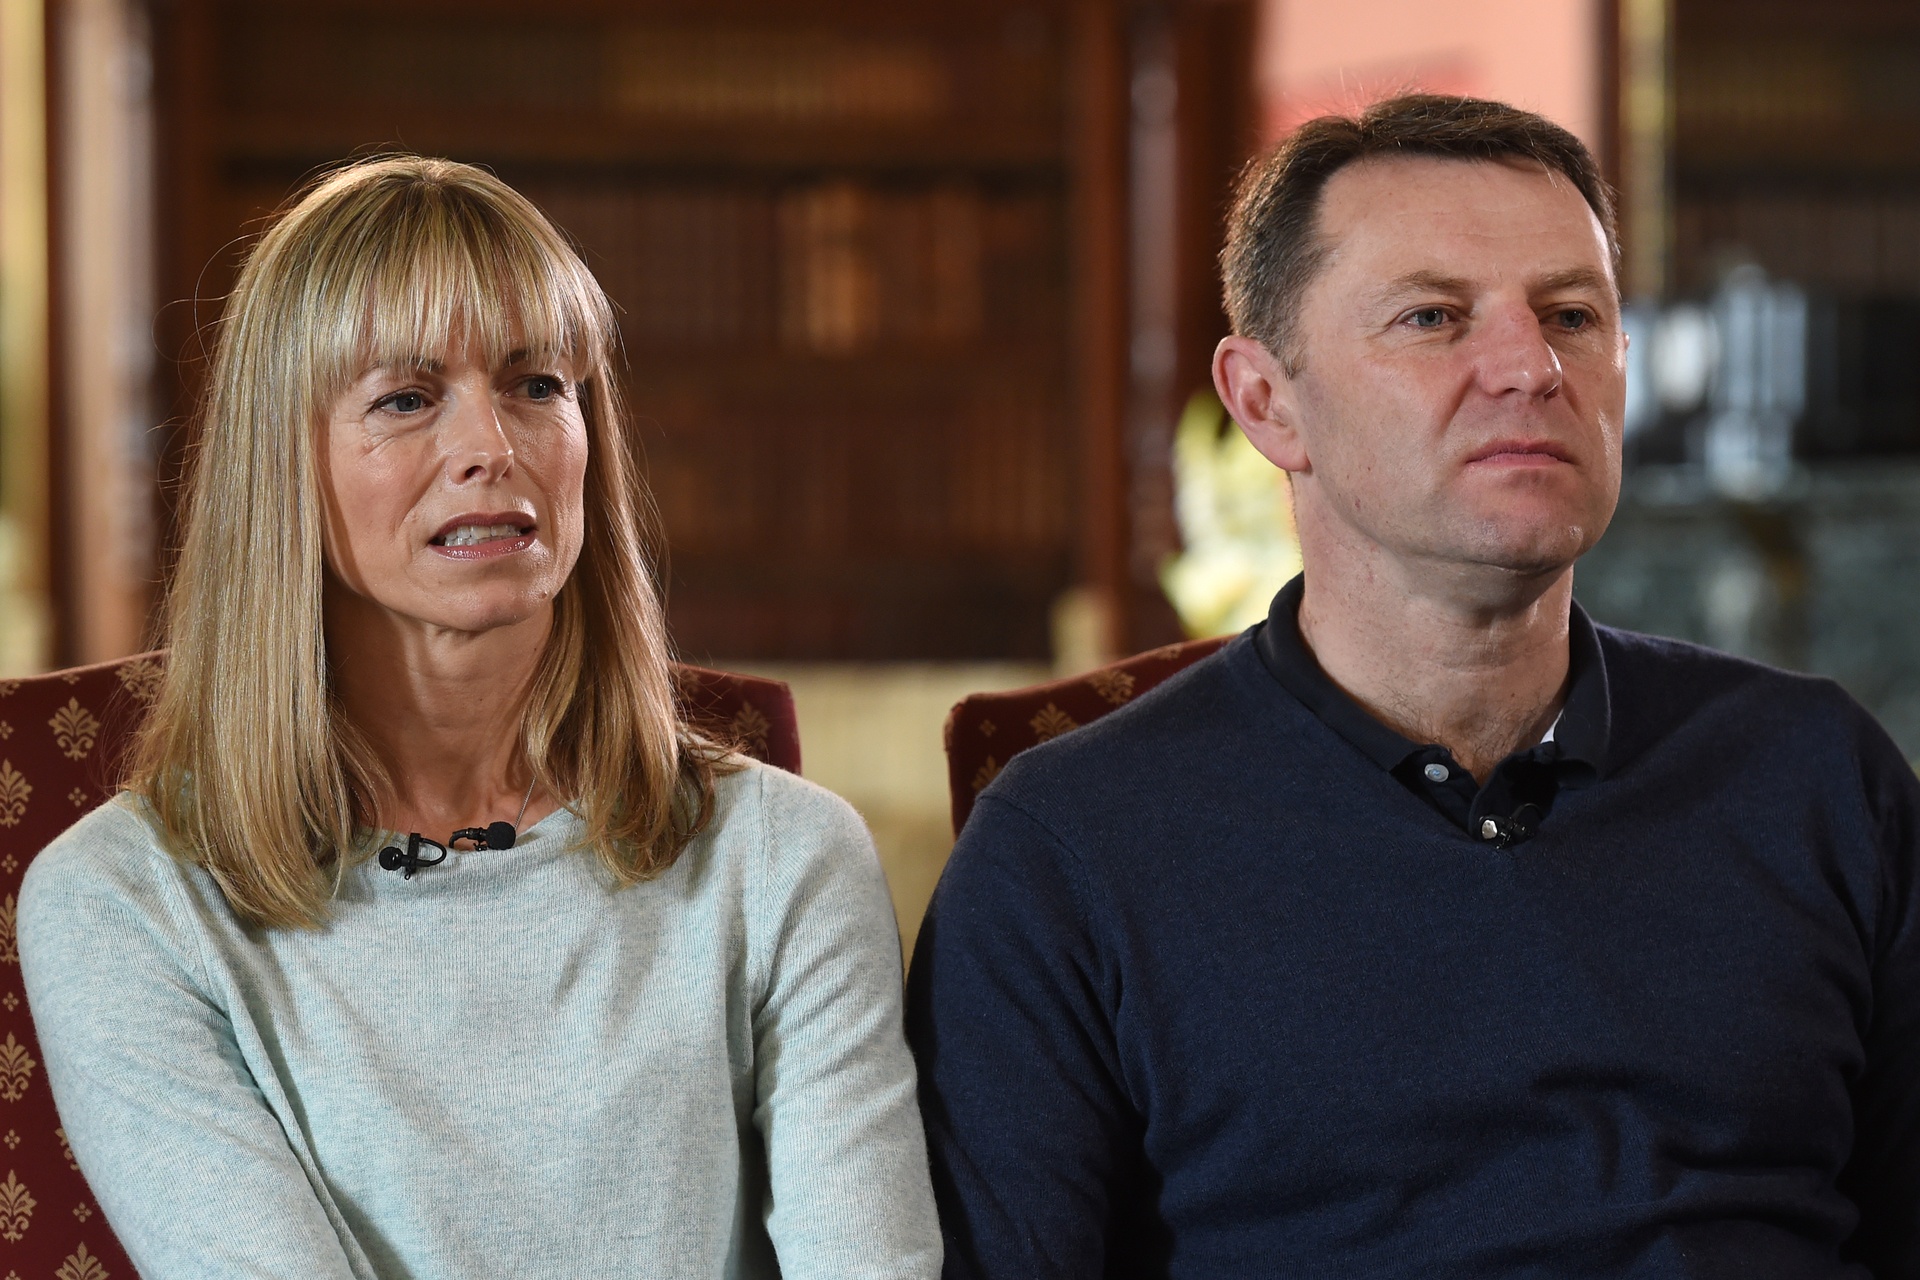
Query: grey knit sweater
(502, 1067)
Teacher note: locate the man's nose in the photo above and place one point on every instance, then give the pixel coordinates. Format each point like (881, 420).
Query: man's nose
(475, 440)
(1514, 355)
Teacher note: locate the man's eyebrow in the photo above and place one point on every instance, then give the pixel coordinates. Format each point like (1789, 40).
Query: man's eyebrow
(1423, 282)
(1573, 278)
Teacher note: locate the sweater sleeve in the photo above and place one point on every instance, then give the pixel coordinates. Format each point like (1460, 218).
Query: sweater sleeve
(194, 1172)
(1031, 1133)
(846, 1158)
(1883, 1175)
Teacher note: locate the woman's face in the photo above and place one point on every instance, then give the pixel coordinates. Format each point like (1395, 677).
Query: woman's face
(453, 490)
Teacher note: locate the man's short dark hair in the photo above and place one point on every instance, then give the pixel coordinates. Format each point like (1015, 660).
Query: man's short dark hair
(1274, 248)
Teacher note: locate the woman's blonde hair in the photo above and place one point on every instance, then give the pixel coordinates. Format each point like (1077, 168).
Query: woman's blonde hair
(250, 767)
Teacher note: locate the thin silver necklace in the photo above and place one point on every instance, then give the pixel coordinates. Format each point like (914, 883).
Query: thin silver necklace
(525, 800)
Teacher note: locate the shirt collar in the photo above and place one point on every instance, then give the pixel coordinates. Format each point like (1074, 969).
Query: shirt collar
(1579, 736)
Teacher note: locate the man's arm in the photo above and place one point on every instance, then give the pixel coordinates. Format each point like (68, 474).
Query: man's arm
(1009, 1011)
(1883, 1176)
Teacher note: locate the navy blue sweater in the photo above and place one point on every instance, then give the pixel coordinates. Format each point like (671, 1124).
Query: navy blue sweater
(1212, 989)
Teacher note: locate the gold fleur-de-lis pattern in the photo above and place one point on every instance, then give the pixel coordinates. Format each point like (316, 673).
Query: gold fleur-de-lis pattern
(74, 728)
(141, 678)
(81, 1265)
(1051, 722)
(16, 1208)
(1115, 686)
(15, 791)
(750, 727)
(16, 1069)
(64, 735)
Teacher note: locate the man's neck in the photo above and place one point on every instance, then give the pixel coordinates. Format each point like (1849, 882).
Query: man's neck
(1477, 673)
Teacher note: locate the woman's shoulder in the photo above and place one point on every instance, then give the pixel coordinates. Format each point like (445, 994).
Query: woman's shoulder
(810, 874)
(784, 822)
(113, 852)
(782, 804)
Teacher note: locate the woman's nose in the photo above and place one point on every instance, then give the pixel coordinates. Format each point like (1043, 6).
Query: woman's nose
(476, 441)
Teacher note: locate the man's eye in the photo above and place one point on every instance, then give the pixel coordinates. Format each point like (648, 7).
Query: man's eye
(1428, 317)
(403, 402)
(1572, 318)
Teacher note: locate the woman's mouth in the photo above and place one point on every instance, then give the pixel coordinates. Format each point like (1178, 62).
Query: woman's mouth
(482, 536)
(472, 535)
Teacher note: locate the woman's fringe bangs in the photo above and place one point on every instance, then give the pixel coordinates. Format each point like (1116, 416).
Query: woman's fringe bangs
(453, 272)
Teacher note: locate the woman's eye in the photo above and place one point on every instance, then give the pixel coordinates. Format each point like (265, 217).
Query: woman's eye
(1428, 317)
(404, 402)
(544, 387)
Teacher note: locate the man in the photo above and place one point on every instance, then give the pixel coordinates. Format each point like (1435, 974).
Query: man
(1429, 929)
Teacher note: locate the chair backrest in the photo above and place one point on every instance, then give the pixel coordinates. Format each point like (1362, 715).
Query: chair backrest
(63, 737)
(985, 730)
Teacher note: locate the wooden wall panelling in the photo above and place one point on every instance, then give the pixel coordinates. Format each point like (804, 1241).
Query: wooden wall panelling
(1193, 125)
(1099, 84)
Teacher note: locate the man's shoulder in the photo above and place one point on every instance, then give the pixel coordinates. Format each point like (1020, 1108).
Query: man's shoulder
(1660, 687)
(1690, 673)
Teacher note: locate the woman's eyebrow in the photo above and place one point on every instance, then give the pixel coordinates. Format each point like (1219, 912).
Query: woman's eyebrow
(402, 366)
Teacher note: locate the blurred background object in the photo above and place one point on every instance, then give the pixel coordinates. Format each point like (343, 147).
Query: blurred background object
(915, 298)
(1236, 525)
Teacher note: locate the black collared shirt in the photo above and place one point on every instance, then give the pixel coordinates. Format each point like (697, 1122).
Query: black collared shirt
(1574, 754)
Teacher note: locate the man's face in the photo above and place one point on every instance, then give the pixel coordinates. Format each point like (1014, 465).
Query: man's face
(1460, 371)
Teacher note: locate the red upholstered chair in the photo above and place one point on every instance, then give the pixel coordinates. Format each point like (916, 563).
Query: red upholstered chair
(62, 738)
(985, 730)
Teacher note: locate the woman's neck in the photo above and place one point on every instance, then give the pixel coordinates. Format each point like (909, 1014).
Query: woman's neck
(444, 710)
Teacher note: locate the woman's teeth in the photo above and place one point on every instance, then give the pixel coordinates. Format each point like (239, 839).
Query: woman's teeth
(468, 535)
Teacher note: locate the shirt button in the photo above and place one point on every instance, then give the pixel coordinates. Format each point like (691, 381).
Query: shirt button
(1436, 773)
(1489, 829)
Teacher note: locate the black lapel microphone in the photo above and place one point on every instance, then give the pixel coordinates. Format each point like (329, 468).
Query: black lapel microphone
(1509, 831)
(495, 835)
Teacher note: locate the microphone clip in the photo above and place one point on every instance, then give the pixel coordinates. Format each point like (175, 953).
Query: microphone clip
(392, 859)
(495, 835)
(1506, 832)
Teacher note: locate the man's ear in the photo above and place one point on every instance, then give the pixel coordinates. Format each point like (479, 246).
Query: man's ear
(1260, 396)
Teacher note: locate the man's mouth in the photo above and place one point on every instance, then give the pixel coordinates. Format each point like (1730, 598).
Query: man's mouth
(1534, 451)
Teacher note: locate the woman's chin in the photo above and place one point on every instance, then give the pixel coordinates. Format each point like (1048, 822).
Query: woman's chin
(489, 614)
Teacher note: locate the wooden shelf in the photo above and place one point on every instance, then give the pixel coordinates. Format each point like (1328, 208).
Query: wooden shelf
(845, 239)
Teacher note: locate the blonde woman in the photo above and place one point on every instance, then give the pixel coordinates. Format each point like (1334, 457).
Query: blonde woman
(657, 1036)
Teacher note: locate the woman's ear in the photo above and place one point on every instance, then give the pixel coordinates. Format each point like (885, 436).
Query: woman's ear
(1259, 395)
